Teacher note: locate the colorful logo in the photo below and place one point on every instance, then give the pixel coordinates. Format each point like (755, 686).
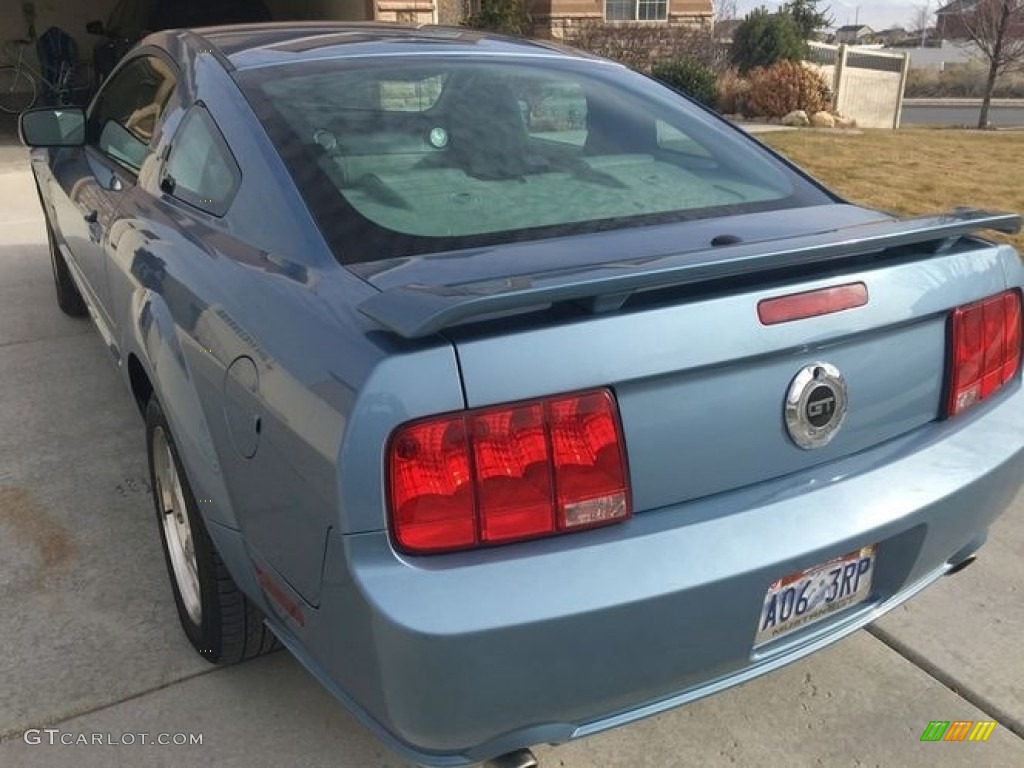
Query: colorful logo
(958, 730)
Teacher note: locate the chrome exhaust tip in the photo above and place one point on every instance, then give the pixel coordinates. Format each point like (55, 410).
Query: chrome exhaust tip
(961, 565)
(521, 758)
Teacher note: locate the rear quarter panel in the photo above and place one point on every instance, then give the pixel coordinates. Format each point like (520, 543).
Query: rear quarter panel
(196, 293)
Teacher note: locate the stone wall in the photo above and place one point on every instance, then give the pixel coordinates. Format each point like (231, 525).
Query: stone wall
(636, 44)
(566, 28)
(453, 12)
(405, 11)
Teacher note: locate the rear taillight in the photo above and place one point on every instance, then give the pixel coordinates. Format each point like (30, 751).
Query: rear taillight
(985, 349)
(502, 474)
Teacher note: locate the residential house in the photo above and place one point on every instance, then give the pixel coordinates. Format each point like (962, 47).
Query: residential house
(949, 19)
(559, 18)
(854, 34)
(952, 19)
(552, 18)
(891, 36)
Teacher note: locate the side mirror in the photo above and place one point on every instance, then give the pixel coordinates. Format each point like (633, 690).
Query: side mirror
(95, 28)
(52, 127)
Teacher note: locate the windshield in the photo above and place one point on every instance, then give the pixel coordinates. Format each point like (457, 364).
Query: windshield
(400, 157)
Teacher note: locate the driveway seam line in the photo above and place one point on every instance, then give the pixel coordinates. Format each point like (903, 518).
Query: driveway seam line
(1010, 722)
(6, 344)
(8, 735)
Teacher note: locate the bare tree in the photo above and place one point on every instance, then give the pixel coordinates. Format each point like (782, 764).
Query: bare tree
(997, 28)
(920, 16)
(724, 9)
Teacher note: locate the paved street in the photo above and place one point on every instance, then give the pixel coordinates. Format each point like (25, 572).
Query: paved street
(92, 645)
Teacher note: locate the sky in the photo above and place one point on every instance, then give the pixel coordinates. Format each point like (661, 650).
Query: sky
(877, 14)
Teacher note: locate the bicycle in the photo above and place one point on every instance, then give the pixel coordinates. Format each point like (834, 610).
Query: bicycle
(18, 82)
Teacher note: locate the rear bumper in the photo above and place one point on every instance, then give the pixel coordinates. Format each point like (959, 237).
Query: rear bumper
(459, 658)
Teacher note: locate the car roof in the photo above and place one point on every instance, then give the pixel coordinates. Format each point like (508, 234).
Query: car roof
(246, 46)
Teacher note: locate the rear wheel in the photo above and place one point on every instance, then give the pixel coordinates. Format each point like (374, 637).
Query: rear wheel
(17, 90)
(219, 620)
(68, 298)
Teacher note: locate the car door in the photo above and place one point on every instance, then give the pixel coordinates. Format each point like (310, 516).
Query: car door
(119, 141)
(183, 199)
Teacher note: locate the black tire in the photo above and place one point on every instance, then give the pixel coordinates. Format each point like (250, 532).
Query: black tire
(230, 628)
(68, 298)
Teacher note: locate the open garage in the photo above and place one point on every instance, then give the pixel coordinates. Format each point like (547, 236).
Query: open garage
(129, 18)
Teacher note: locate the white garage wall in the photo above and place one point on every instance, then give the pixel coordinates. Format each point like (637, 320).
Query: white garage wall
(69, 15)
(73, 15)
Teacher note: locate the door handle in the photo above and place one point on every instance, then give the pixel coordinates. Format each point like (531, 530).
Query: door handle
(90, 217)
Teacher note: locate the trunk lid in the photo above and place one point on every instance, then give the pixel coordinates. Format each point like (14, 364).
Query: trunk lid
(701, 383)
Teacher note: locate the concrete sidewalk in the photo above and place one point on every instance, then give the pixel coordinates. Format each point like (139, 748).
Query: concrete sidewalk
(92, 644)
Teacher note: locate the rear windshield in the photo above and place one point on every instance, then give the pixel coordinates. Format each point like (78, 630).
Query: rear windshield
(404, 156)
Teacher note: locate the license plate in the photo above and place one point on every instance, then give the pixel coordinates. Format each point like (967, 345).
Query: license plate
(805, 597)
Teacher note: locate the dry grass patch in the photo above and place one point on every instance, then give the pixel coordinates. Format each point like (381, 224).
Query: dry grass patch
(915, 171)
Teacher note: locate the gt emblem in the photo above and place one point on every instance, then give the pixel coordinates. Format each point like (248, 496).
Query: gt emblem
(815, 405)
(820, 406)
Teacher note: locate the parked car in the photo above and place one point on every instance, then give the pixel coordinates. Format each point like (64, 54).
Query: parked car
(517, 395)
(131, 20)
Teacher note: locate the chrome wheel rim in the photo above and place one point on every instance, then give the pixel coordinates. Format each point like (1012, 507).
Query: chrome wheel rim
(178, 537)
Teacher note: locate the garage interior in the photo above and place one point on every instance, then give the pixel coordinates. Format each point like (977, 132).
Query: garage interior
(18, 17)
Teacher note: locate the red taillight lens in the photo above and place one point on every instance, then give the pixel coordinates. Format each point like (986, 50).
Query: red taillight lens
(432, 494)
(986, 349)
(496, 475)
(589, 471)
(513, 473)
(1012, 323)
(824, 301)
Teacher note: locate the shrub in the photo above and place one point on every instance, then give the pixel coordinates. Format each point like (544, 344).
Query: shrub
(510, 17)
(733, 92)
(777, 90)
(765, 38)
(961, 81)
(691, 77)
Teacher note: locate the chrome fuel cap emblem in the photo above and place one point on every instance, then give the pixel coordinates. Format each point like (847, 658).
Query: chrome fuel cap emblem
(815, 405)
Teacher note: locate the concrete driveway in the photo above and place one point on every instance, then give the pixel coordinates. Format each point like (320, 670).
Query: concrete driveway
(91, 644)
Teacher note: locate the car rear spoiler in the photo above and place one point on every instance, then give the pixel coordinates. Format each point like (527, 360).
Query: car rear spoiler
(416, 310)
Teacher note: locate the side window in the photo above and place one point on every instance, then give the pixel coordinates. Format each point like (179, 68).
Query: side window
(674, 140)
(556, 111)
(125, 115)
(200, 169)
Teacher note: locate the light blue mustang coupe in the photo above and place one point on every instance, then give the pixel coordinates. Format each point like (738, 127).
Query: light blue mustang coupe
(514, 393)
